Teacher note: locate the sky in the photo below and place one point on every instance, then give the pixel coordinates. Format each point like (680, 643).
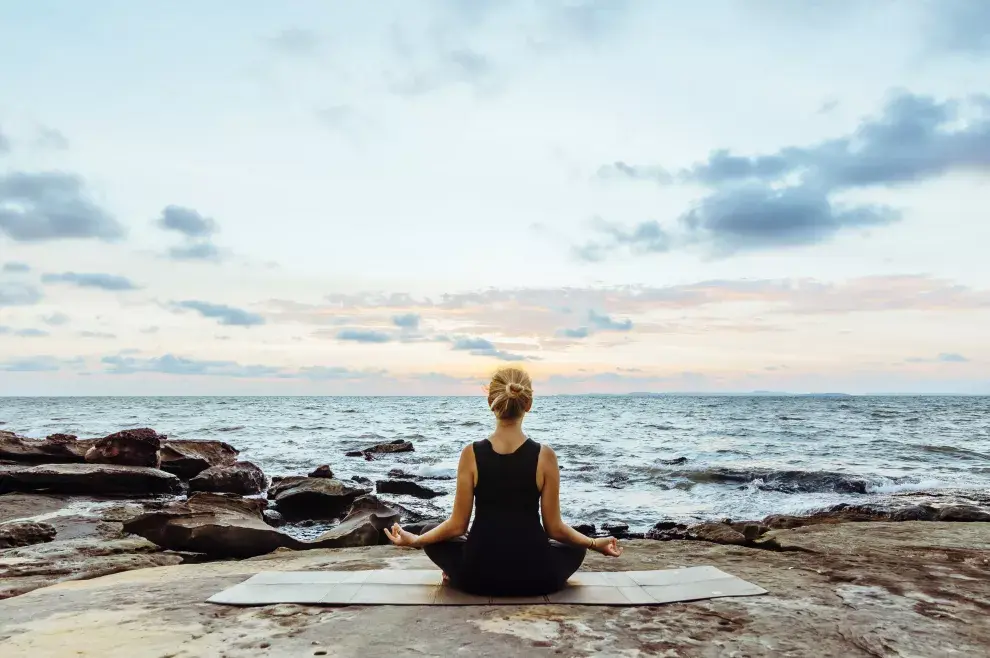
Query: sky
(396, 198)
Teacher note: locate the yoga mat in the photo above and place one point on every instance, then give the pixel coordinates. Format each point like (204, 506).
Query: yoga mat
(424, 587)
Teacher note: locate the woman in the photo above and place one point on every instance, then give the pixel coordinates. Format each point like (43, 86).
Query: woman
(510, 479)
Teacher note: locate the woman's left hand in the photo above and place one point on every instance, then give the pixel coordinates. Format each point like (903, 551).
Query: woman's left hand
(609, 547)
(400, 537)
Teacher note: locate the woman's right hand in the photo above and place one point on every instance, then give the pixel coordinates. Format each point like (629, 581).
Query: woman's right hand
(399, 536)
(607, 546)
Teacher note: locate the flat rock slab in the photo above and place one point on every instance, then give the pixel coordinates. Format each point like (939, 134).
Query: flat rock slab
(425, 587)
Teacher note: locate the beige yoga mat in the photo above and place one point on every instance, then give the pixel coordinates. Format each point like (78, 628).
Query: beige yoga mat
(424, 587)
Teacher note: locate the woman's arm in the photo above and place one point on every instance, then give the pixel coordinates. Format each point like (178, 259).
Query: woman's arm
(457, 524)
(550, 502)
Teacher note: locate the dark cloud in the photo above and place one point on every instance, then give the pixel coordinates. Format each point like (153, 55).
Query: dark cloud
(170, 364)
(363, 336)
(23, 333)
(784, 198)
(620, 169)
(195, 251)
(112, 282)
(56, 319)
(18, 294)
(482, 347)
(186, 221)
(35, 207)
(961, 26)
(605, 323)
(16, 267)
(406, 320)
(295, 41)
(225, 315)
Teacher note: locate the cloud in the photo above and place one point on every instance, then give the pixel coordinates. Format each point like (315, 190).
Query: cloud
(150, 330)
(36, 364)
(482, 347)
(96, 334)
(5, 146)
(36, 207)
(49, 138)
(226, 315)
(56, 319)
(363, 336)
(960, 26)
(944, 357)
(16, 267)
(112, 282)
(325, 373)
(23, 333)
(186, 221)
(195, 251)
(294, 41)
(18, 294)
(620, 169)
(783, 199)
(406, 320)
(170, 364)
(605, 323)
(580, 332)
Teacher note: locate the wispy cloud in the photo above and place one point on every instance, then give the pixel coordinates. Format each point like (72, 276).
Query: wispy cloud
(363, 336)
(225, 315)
(483, 347)
(14, 293)
(295, 41)
(41, 363)
(176, 365)
(56, 319)
(111, 282)
(326, 373)
(16, 267)
(195, 251)
(97, 334)
(187, 221)
(38, 207)
(944, 357)
(23, 333)
(407, 320)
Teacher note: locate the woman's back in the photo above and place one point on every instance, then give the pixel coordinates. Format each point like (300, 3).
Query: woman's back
(507, 546)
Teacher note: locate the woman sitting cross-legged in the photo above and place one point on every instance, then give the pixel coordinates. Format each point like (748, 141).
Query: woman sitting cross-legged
(509, 479)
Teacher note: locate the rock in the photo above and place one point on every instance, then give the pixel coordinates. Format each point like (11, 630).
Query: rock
(273, 518)
(25, 533)
(406, 488)
(915, 513)
(419, 527)
(218, 525)
(322, 471)
(786, 521)
(19, 506)
(361, 479)
(399, 445)
(751, 531)
(242, 478)
(354, 453)
(618, 530)
(363, 525)
(313, 498)
(717, 533)
(97, 479)
(57, 448)
(137, 447)
(399, 473)
(963, 513)
(867, 591)
(188, 458)
(587, 529)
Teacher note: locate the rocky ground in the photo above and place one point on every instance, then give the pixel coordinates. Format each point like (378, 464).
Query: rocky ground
(905, 579)
(849, 589)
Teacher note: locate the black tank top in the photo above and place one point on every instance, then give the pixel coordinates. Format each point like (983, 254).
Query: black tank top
(507, 550)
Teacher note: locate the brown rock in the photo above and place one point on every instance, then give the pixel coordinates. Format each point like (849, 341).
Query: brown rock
(25, 533)
(218, 525)
(57, 448)
(963, 513)
(406, 488)
(97, 479)
(363, 525)
(136, 447)
(399, 445)
(188, 458)
(313, 498)
(322, 471)
(717, 533)
(242, 478)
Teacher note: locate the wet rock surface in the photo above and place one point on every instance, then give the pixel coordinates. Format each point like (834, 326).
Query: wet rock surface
(97, 479)
(25, 533)
(406, 488)
(313, 498)
(863, 589)
(56, 448)
(135, 447)
(188, 458)
(322, 471)
(242, 478)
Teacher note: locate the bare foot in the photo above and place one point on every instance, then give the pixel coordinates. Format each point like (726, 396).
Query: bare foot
(445, 579)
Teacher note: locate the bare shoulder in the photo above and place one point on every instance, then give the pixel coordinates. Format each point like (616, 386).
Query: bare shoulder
(547, 455)
(467, 454)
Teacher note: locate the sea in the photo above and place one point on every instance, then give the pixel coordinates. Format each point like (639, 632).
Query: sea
(633, 459)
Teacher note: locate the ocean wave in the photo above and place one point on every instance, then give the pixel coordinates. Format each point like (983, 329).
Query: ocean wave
(469, 423)
(672, 462)
(233, 428)
(660, 426)
(893, 486)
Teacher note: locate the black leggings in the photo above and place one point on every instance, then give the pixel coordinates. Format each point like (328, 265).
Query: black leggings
(449, 556)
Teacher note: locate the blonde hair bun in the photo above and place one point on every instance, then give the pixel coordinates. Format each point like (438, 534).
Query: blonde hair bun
(510, 393)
